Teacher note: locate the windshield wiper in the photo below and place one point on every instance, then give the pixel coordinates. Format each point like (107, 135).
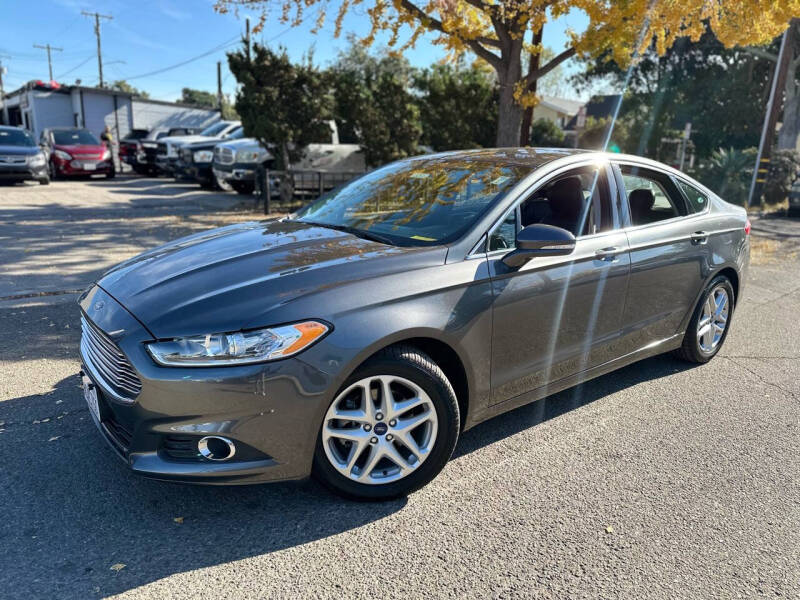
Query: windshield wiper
(367, 235)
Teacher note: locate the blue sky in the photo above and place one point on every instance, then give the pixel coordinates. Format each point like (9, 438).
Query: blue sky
(148, 35)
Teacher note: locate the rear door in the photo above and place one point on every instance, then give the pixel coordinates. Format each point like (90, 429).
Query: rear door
(668, 251)
(556, 316)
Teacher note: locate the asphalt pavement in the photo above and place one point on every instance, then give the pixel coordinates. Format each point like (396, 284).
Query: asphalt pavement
(661, 480)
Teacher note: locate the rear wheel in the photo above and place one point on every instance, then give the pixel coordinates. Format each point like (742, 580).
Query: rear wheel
(710, 322)
(390, 429)
(245, 188)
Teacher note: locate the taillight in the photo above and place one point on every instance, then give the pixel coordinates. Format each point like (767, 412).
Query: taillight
(747, 227)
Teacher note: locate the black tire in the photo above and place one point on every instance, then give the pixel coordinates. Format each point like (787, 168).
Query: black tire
(53, 171)
(44, 180)
(111, 174)
(690, 349)
(407, 362)
(245, 188)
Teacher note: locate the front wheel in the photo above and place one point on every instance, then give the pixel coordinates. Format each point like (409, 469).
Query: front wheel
(710, 322)
(244, 188)
(390, 429)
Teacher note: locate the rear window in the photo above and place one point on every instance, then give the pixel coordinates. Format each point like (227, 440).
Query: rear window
(75, 137)
(697, 200)
(214, 129)
(16, 137)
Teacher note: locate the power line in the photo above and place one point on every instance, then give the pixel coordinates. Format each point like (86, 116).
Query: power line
(217, 48)
(76, 67)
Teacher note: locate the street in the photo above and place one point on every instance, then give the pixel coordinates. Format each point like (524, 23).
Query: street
(662, 480)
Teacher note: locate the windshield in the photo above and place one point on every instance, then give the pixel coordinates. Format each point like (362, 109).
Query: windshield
(73, 137)
(16, 137)
(416, 202)
(214, 129)
(236, 134)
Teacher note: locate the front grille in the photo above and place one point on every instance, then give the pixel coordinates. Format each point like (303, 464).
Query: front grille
(162, 148)
(223, 156)
(108, 361)
(12, 160)
(181, 447)
(186, 155)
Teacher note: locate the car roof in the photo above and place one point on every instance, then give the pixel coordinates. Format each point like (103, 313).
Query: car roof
(523, 156)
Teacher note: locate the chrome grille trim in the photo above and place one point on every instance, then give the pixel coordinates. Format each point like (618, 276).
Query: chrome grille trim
(13, 159)
(108, 363)
(224, 156)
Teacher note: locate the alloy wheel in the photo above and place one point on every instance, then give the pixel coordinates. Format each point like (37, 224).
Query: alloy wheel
(713, 320)
(380, 429)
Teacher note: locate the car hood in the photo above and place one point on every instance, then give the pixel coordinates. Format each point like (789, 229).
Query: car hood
(19, 150)
(80, 148)
(187, 139)
(240, 276)
(242, 144)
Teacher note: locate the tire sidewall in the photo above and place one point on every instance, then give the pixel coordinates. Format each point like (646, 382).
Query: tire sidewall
(698, 354)
(446, 406)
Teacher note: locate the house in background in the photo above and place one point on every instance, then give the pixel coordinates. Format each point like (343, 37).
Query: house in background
(37, 105)
(558, 110)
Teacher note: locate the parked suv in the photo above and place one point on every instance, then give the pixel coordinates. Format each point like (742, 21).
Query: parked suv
(20, 158)
(75, 151)
(169, 147)
(195, 160)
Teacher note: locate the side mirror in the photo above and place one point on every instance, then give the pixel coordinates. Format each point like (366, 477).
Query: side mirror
(540, 240)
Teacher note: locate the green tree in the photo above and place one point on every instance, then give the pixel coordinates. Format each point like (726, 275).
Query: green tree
(721, 91)
(546, 134)
(123, 86)
(595, 132)
(283, 105)
(458, 106)
(373, 105)
(199, 98)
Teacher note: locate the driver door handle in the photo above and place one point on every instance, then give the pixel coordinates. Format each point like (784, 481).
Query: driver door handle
(699, 237)
(607, 253)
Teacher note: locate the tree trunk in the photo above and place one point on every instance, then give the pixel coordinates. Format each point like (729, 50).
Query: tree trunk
(509, 117)
(527, 115)
(287, 181)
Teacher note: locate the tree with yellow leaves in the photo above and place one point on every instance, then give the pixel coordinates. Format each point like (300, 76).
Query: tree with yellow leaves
(495, 30)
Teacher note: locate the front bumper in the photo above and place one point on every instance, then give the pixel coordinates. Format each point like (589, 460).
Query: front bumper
(78, 167)
(271, 411)
(166, 163)
(235, 172)
(22, 172)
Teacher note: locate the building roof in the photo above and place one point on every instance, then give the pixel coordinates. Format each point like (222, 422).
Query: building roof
(599, 107)
(562, 105)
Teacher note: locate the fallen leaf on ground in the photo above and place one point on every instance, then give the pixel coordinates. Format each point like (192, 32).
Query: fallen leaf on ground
(178, 519)
(117, 567)
(54, 438)
(609, 529)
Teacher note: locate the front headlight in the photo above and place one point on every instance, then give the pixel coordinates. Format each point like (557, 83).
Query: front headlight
(240, 348)
(37, 160)
(62, 155)
(203, 156)
(106, 154)
(249, 156)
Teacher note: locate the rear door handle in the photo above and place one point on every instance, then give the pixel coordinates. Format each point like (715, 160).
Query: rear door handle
(607, 253)
(699, 237)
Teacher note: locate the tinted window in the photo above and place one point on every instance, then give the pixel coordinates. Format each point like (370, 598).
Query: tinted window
(214, 129)
(504, 235)
(16, 137)
(421, 201)
(652, 196)
(72, 137)
(697, 200)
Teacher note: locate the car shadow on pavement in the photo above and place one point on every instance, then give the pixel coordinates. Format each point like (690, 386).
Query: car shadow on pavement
(538, 412)
(72, 513)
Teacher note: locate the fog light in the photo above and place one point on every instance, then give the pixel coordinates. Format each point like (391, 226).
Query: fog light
(216, 448)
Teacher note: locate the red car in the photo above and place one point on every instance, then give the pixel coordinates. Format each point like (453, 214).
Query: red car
(74, 151)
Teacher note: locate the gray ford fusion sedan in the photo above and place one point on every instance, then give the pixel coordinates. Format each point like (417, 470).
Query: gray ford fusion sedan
(357, 338)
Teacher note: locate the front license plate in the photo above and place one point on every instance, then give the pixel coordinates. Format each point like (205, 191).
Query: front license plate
(89, 166)
(90, 394)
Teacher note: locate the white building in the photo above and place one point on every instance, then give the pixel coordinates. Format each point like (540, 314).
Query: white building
(36, 106)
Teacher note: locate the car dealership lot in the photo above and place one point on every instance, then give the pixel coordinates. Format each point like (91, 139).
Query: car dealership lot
(660, 480)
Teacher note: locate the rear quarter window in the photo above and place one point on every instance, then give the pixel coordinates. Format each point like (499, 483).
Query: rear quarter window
(696, 200)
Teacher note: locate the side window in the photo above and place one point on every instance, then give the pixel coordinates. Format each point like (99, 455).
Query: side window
(652, 196)
(504, 235)
(697, 200)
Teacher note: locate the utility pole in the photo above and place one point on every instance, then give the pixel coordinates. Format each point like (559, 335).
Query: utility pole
(219, 86)
(3, 95)
(48, 47)
(97, 16)
(771, 118)
(247, 37)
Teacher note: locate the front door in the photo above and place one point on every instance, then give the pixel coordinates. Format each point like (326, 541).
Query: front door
(557, 316)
